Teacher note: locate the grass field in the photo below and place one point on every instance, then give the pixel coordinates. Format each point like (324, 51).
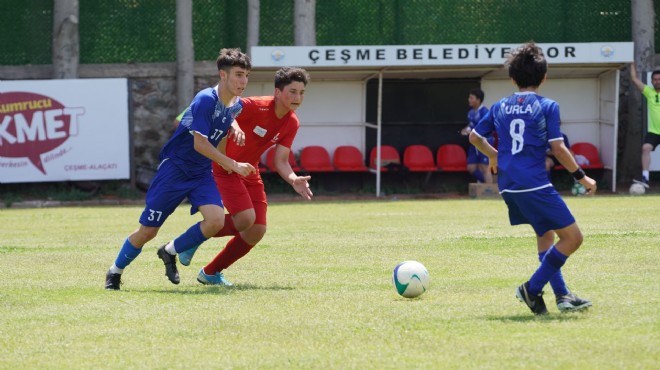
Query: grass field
(317, 293)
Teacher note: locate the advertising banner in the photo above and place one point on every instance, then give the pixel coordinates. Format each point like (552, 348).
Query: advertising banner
(64, 130)
(433, 55)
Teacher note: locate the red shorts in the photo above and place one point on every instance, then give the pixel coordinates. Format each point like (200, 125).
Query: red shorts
(241, 193)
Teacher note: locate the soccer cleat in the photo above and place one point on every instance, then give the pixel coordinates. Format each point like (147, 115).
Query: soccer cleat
(534, 302)
(571, 302)
(170, 265)
(644, 182)
(186, 256)
(112, 281)
(217, 279)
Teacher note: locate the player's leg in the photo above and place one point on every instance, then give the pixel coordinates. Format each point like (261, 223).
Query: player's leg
(646, 161)
(544, 243)
(162, 198)
(570, 239)
(472, 163)
(483, 168)
(242, 243)
(204, 197)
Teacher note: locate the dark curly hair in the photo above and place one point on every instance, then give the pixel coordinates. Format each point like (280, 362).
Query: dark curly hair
(527, 65)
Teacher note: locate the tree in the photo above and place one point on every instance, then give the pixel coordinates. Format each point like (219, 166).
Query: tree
(253, 18)
(305, 22)
(643, 34)
(185, 55)
(66, 39)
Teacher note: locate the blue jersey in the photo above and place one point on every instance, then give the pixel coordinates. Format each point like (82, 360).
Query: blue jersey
(474, 116)
(524, 123)
(207, 116)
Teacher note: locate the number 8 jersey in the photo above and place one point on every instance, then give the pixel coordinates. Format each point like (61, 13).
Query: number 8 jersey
(525, 123)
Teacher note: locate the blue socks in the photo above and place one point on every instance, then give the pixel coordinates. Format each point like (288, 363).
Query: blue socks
(127, 254)
(550, 265)
(190, 239)
(557, 280)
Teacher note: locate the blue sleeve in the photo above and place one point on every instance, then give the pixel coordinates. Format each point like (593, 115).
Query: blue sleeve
(552, 120)
(487, 124)
(202, 110)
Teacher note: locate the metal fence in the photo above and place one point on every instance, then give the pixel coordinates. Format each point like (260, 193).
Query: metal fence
(124, 31)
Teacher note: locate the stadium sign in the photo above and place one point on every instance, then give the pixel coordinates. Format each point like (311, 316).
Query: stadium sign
(57, 130)
(433, 55)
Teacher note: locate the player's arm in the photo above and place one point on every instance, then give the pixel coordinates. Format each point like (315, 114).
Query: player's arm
(205, 148)
(564, 156)
(236, 133)
(482, 144)
(299, 183)
(633, 77)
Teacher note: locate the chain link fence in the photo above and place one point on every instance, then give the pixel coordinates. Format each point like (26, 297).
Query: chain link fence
(141, 31)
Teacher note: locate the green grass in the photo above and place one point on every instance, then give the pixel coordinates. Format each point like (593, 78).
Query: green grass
(316, 293)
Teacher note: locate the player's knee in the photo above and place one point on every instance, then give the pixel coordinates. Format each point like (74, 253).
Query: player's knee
(215, 222)
(647, 148)
(244, 221)
(254, 234)
(144, 234)
(576, 239)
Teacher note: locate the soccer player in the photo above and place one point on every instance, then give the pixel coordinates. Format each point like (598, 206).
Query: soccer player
(477, 162)
(266, 121)
(525, 122)
(185, 170)
(652, 138)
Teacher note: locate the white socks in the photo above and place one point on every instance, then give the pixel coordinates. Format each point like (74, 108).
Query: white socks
(115, 270)
(169, 248)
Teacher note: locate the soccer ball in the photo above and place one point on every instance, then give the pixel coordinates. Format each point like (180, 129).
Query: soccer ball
(410, 279)
(578, 189)
(637, 189)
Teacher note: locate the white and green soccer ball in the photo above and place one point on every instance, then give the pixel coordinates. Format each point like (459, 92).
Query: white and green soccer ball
(410, 279)
(578, 189)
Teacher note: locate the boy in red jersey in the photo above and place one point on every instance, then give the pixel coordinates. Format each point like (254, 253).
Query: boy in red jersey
(266, 121)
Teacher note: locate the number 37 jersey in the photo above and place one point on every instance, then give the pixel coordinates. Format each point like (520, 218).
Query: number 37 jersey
(525, 123)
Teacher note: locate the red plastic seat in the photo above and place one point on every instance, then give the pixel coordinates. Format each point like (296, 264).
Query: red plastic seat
(590, 153)
(349, 159)
(315, 158)
(388, 155)
(451, 158)
(270, 160)
(419, 158)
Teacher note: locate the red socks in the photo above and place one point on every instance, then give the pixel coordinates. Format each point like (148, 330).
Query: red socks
(233, 251)
(228, 229)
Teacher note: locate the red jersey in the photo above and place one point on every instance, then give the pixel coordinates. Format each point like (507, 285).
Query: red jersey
(262, 130)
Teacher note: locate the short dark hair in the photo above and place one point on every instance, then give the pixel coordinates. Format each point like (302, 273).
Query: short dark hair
(656, 72)
(478, 93)
(228, 58)
(527, 65)
(285, 75)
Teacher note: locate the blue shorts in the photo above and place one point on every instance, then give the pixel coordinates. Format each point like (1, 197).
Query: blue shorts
(543, 209)
(474, 156)
(170, 187)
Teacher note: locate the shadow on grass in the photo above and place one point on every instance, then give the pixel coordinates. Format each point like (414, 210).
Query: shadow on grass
(214, 289)
(568, 316)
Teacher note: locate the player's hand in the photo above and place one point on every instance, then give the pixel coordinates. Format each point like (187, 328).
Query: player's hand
(301, 186)
(235, 133)
(589, 184)
(466, 131)
(492, 164)
(244, 169)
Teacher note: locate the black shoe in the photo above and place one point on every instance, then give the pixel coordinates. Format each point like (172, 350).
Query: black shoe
(644, 182)
(571, 302)
(534, 302)
(112, 281)
(171, 271)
